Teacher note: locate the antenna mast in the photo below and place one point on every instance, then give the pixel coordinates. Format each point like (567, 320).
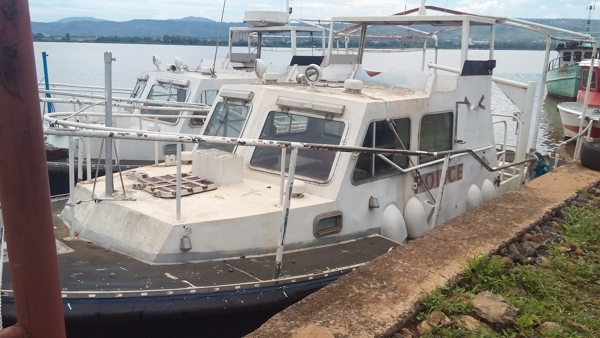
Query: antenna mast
(590, 8)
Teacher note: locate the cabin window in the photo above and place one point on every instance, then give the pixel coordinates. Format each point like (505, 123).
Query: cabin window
(436, 134)
(169, 93)
(584, 79)
(312, 164)
(136, 93)
(327, 224)
(576, 56)
(587, 55)
(567, 56)
(171, 148)
(380, 135)
(196, 122)
(227, 120)
(206, 97)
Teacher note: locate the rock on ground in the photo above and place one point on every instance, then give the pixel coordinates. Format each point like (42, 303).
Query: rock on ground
(495, 310)
(549, 328)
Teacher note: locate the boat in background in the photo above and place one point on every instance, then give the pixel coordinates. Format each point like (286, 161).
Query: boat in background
(571, 112)
(564, 72)
(169, 100)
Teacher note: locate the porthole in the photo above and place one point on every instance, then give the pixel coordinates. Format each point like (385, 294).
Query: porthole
(327, 224)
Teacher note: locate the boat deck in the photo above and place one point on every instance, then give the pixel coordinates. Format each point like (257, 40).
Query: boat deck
(93, 271)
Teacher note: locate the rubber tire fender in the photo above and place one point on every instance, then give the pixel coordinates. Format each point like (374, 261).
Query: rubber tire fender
(590, 155)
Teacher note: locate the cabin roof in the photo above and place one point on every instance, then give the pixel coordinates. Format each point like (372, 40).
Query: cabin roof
(272, 29)
(435, 20)
(369, 93)
(221, 74)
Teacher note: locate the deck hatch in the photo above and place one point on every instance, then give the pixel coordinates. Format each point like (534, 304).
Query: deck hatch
(166, 187)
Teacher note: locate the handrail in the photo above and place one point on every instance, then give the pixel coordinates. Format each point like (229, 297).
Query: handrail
(502, 153)
(83, 125)
(189, 138)
(119, 99)
(554, 64)
(576, 137)
(72, 85)
(160, 105)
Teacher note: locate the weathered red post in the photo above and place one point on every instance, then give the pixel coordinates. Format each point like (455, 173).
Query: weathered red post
(24, 189)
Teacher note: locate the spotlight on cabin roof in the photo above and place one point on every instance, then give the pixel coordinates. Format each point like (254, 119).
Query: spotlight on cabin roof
(178, 64)
(260, 68)
(156, 61)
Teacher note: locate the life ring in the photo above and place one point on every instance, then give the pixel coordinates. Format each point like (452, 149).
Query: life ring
(590, 155)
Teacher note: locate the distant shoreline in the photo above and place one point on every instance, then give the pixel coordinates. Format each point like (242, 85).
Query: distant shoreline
(193, 41)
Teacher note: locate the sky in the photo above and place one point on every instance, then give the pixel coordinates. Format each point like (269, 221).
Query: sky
(124, 10)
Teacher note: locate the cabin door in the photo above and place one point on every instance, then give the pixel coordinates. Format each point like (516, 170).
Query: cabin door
(467, 120)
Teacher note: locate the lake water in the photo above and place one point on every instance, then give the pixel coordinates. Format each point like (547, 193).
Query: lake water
(83, 63)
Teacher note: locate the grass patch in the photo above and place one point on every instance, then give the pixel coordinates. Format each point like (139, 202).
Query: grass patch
(562, 287)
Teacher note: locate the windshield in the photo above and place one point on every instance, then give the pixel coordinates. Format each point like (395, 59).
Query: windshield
(165, 92)
(136, 93)
(315, 164)
(228, 120)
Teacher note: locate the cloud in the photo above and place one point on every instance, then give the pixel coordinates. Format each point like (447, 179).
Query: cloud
(491, 7)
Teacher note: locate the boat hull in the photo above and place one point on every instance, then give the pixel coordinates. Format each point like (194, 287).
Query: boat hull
(570, 115)
(563, 82)
(91, 310)
(101, 287)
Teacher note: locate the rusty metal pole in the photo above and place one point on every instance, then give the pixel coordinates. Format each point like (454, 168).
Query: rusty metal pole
(24, 189)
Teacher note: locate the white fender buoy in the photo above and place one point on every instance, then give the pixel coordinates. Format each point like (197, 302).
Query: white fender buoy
(488, 190)
(393, 225)
(415, 218)
(474, 197)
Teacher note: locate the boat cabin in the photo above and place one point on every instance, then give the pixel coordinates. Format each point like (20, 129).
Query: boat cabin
(594, 99)
(571, 53)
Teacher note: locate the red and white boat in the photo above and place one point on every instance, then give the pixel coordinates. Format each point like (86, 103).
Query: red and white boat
(570, 112)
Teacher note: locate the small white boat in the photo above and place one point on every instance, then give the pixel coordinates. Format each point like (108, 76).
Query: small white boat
(571, 112)
(172, 99)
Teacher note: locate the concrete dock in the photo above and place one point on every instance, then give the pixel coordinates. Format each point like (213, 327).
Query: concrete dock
(381, 297)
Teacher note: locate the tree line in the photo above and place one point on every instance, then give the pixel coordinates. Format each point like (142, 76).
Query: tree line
(303, 43)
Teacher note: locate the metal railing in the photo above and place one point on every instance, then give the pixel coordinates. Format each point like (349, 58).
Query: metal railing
(587, 130)
(285, 196)
(504, 145)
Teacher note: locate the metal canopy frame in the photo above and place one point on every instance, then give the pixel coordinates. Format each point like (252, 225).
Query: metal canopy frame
(289, 29)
